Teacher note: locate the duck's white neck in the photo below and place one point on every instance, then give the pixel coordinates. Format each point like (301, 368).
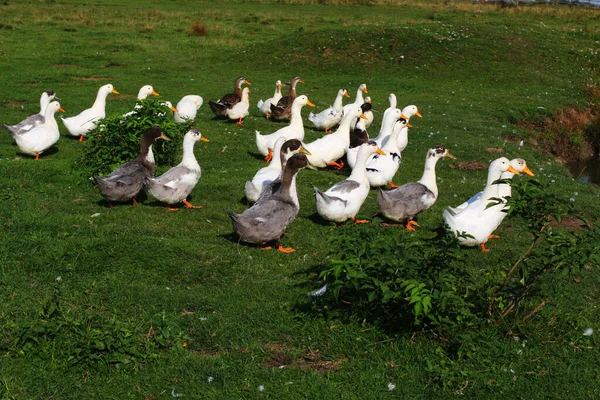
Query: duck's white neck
(277, 92)
(490, 189)
(359, 172)
(361, 124)
(397, 132)
(387, 125)
(505, 189)
(276, 161)
(344, 127)
(189, 159)
(429, 179)
(337, 104)
(359, 97)
(150, 155)
(44, 101)
(100, 102)
(297, 115)
(245, 97)
(49, 118)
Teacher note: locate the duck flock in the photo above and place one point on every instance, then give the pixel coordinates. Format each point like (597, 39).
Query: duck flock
(272, 191)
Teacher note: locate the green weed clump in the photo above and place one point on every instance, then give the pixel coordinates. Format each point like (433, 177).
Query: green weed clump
(117, 139)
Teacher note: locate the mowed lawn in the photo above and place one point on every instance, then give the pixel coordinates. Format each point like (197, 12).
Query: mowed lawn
(142, 302)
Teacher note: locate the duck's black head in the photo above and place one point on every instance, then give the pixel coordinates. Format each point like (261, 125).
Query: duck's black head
(296, 162)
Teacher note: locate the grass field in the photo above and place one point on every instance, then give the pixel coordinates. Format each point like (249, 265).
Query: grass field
(140, 302)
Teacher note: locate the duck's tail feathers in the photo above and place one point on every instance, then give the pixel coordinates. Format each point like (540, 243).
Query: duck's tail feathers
(260, 104)
(217, 108)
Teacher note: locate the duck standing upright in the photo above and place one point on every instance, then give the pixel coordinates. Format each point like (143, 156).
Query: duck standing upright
(127, 181)
(283, 150)
(177, 183)
(474, 217)
(359, 99)
(266, 220)
(344, 199)
(358, 136)
(85, 122)
(221, 106)
(34, 120)
(330, 117)
(381, 169)
(402, 137)
(406, 202)
(265, 106)
(326, 150)
(240, 110)
(283, 108)
(40, 138)
(295, 130)
(187, 108)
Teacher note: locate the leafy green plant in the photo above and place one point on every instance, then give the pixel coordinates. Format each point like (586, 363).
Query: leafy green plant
(402, 275)
(117, 138)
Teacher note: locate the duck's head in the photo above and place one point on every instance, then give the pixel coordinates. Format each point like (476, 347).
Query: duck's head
(355, 112)
(520, 165)
(411, 110)
(293, 146)
(363, 88)
(108, 89)
(146, 91)
(343, 92)
(500, 165)
(169, 105)
(294, 81)
(242, 81)
(370, 147)
(366, 107)
(152, 134)
(278, 84)
(296, 162)
(439, 151)
(50, 95)
(303, 100)
(197, 100)
(195, 136)
(54, 107)
(368, 99)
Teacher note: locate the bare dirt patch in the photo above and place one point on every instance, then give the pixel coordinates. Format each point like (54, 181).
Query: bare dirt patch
(90, 78)
(283, 356)
(470, 165)
(14, 104)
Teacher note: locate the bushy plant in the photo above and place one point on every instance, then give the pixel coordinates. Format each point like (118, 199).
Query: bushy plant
(117, 139)
(402, 276)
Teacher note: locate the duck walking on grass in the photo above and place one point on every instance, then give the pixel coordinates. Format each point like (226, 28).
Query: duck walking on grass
(344, 199)
(330, 117)
(42, 137)
(266, 220)
(85, 122)
(265, 106)
(176, 184)
(226, 102)
(124, 183)
(283, 108)
(406, 202)
(34, 120)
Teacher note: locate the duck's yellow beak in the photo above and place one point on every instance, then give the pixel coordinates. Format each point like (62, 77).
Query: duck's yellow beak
(279, 86)
(300, 80)
(115, 92)
(379, 151)
(305, 151)
(365, 90)
(174, 109)
(204, 139)
(528, 171)
(363, 116)
(408, 125)
(163, 136)
(346, 94)
(418, 114)
(61, 109)
(247, 82)
(404, 117)
(514, 171)
(449, 155)
(309, 103)
(154, 93)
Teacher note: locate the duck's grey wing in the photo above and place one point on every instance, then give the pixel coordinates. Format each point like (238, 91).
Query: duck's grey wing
(123, 183)
(406, 201)
(265, 222)
(345, 186)
(268, 191)
(328, 199)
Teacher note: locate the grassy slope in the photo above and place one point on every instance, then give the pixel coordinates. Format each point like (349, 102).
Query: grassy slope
(471, 70)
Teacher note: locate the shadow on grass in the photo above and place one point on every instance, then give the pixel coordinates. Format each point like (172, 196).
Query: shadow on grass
(48, 152)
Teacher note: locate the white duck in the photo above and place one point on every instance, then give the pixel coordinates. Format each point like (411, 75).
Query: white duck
(80, 125)
(390, 117)
(326, 150)
(344, 199)
(176, 184)
(359, 100)
(358, 136)
(295, 130)
(35, 119)
(42, 137)
(406, 202)
(143, 94)
(240, 110)
(283, 150)
(473, 217)
(265, 106)
(381, 169)
(402, 139)
(331, 116)
(187, 108)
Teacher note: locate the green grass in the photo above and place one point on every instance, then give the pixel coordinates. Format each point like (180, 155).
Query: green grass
(145, 280)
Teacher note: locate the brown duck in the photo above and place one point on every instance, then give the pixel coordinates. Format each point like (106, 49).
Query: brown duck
(283, 109)
(220, 106)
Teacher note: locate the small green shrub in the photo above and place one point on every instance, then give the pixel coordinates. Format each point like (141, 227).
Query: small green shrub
(117, 139)
(402, 276)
